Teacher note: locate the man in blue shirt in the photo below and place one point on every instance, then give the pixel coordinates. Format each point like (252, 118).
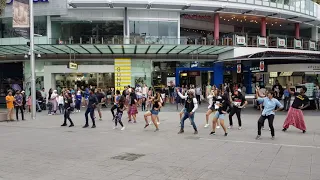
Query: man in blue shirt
(270, 104)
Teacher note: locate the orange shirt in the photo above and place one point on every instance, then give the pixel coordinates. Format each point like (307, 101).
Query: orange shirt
(10, 100)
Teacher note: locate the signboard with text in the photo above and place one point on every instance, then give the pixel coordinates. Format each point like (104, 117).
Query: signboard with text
(122, 73)
(262, 41)
(312, 45)
(281, 42)
(297, 44)
(241, 40)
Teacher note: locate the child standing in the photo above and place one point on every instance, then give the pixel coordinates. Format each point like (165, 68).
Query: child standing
(143, 103)
(61, 102)
(29, 100)
(121, 107)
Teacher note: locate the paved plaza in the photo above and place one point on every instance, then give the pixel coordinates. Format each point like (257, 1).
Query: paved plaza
(42, 150)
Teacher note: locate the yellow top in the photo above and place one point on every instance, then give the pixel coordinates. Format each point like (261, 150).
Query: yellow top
(9, 100)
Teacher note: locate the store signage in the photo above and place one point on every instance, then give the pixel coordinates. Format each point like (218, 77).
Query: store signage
(122, 73)
(281, 42)
(273, 74)
(255, 69)
(35, 1)
(194, 64)
(72, 66)
(239, 68)
(241, 40)
(297, 44)
(262, 41)
(194, 73)
(314, 67)
(312, 45)
(261, 67)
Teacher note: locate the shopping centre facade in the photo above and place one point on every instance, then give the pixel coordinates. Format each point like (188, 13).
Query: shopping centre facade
(189, 41)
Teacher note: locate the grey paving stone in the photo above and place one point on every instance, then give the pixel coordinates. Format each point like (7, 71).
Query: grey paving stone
(42, 150)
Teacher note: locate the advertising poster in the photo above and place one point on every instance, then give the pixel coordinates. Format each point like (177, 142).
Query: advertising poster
(122, 73)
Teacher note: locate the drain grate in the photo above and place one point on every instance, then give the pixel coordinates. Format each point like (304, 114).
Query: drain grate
(192, 137)
(128, 157)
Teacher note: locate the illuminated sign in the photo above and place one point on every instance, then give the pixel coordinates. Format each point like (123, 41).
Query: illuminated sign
(73, 66)
(35, 1)
(122, 73)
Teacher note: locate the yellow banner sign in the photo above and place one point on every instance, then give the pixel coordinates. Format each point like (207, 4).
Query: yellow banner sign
(122, 73)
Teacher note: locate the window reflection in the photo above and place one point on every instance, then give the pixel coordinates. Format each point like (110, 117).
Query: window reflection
(7, 31)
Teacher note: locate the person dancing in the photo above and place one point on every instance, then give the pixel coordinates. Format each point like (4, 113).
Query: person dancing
(116, 103)
(133, 111)
(270, 104)
(67, 109)
(222, 106)
(191, 105)
(295, 115)
(156, 105)
(239, 102)
(92, 103)
(120, 108)
(211, 107)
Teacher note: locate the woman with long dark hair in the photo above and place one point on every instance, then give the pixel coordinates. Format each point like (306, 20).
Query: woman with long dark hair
(120, 108)
(156, 105)
(133, 111)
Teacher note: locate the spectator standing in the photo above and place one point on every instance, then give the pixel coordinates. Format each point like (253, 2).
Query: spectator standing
(9, 101)
(18, 103)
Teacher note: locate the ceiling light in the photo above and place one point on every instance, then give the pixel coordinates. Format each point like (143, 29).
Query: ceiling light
(39, 55)
(25, 56)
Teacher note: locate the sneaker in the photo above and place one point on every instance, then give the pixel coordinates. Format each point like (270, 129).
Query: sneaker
(240, 128)
(156, 130)
(123, 128)
(85, 126)
(284, 129)
(230, 127)
(134, 121)
(181, 131)
(218, 127)
(213, 133)
(272, 137)
(115, 127)
(258, 137)
(225, 134)
(195, 132)
(100, 119)
(146, 125)
(207, 125)
(71, 125)
(304, 131)
(64, 125)
(93, 126)
(49, 114)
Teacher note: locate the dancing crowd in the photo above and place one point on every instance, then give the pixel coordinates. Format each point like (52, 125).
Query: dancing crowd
(223, 101)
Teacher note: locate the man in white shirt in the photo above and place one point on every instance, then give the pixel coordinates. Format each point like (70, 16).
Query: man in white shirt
(191, 105)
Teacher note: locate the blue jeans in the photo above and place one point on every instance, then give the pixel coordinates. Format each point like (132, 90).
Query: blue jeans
(186, 116)
(91, 111)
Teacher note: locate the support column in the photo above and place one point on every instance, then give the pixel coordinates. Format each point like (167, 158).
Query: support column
(49, 30)
(247, 82)
(126, 38)
(216, 28)
(297, 30)
(178, 77)
(263, 27)
(315, 33)
(218, 74)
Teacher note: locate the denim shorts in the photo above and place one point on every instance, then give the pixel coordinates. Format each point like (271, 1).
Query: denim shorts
(154, 112)
(218, 115)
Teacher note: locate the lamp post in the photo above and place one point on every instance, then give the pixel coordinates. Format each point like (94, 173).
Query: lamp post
(32, 62)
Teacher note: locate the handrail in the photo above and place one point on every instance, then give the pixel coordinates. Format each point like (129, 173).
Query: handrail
(284, 42)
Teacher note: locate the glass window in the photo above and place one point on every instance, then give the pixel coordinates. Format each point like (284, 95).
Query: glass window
(6, 30)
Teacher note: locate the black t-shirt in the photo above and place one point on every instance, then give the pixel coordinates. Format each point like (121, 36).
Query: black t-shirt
(133, 97)
(67, 102)
(300, 100)
(100, 96)
(223, 100)
(239, 99)
(171, 89)
(120, 107)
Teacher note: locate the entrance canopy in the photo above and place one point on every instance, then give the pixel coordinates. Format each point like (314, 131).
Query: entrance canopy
(7, 50)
